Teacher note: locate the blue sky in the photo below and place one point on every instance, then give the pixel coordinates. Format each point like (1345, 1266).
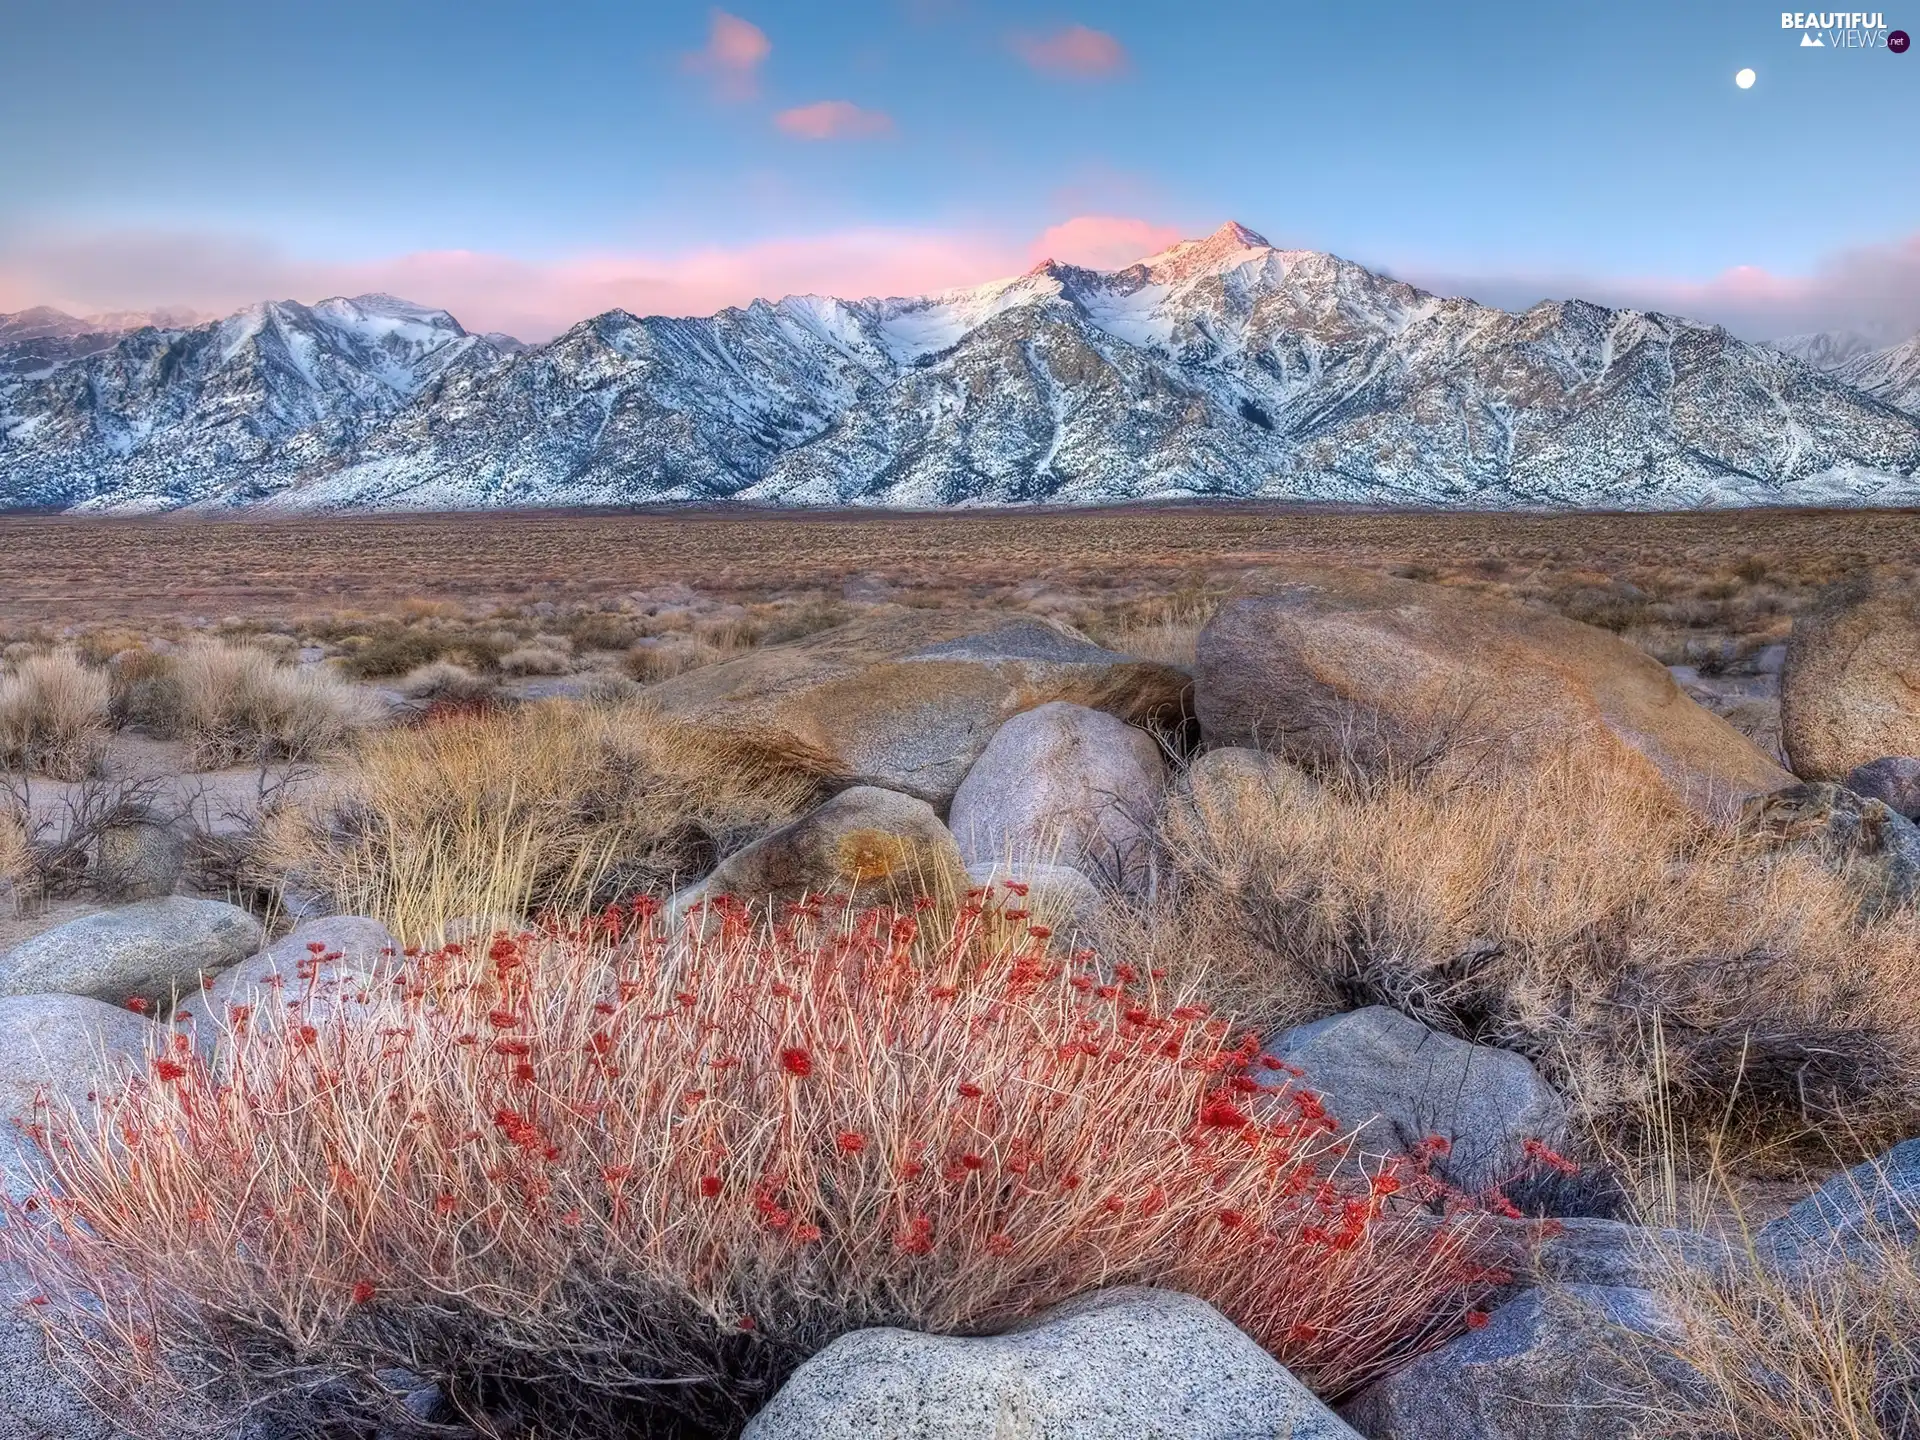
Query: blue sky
(534, 162)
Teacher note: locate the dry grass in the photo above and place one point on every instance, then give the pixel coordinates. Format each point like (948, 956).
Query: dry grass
(547, 806)
(1573, 915)
(234, 704)
(667, 658)
(538, 658)
(54, 716)
(16, 853)
(586, 1183)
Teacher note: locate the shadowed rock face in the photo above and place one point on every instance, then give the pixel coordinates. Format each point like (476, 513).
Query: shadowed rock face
(1333, 667)
(871, 844)
(1850, 692)
(1119, 1364)
(909, 701)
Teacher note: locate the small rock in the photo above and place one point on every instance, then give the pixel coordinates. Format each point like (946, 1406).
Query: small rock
(1055, 895)
(1228, 777)
(140, 860)
(1124, 1364)
(1395, 1083)
(1872, 1207)
(1893, 780)
(870, 844)
(1063, 784)
(154, 950)
(1578, 1363)
(1877, 849)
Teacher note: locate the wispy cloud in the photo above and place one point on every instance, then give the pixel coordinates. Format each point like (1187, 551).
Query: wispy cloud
(833, 120)
(1874, 289)
(1074, 51)
(731, 58)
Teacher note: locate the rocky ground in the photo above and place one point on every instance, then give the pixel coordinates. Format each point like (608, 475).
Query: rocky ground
(1594, 901)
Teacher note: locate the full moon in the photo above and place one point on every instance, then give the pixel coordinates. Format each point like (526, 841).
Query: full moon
(1744, 79)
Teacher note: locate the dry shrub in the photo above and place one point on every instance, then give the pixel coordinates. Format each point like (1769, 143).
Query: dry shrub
(595, 1183)
(445, 683)
(54, 716)
(536, 659)
(233, 704)
(551, 805)
(667, 658)
(1644, 959)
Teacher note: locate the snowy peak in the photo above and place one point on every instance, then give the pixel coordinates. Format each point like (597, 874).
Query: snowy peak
(1220, 366)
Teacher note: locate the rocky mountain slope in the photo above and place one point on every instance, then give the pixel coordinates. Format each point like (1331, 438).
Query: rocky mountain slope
(1886, 372)
(1221, 366)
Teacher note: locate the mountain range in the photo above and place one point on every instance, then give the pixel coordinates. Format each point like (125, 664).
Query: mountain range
(1219, 367)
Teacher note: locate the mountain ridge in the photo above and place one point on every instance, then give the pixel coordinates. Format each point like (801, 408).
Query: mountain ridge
(1220, 366)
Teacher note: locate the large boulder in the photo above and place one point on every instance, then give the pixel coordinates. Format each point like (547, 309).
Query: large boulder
(1063, 784)
(1871, 1209)
(1893, 780)
(908, 700)
(1579, 1362)
(1876, 849)
(1340, 667)
(1394, 1083)
(1122, 1364)
(1850, 692)
(872, 845)
(152, 951)
(54, 1051)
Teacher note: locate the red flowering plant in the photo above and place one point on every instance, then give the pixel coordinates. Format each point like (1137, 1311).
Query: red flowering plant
(601, 1166)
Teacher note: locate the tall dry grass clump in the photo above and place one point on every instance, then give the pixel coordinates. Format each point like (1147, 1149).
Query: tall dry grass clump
(235, 704)
(1643, 958)
(16, 851)
(607, 1182)
(544, 807)
(54, 716)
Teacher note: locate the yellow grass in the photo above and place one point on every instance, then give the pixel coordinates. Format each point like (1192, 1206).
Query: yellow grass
(1571, 914)
(54, 716)
(235, 703)
(552, 805)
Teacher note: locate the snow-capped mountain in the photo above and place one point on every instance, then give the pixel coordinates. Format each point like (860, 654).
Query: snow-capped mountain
(1886, 372)
(1221, 366)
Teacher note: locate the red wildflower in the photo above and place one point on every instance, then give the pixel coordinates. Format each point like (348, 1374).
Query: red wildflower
(1477, 1319)
(851, 1142)
(710, 1186)
(139, 1004)
(796, 1061)
(1220, 1113)
(970, 1091)
(169, 1070)
(363, 1291)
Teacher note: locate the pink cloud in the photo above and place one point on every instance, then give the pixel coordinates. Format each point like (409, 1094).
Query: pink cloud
(731, 61)
(1103, 242)
(833, 120)
(1871, 288)
(1074, 50)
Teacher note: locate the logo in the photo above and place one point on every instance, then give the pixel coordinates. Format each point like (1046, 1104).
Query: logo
(1842, 29)
(1898, 41)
